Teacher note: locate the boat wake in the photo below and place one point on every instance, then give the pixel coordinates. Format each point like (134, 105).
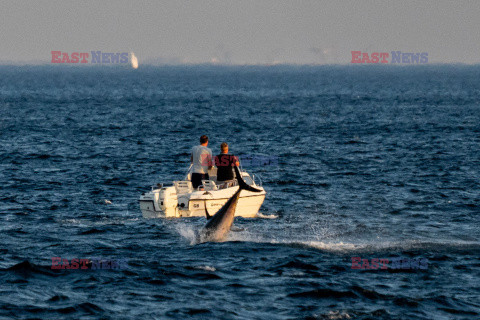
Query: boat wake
(394, 246)
(342, 247)
(326, 241)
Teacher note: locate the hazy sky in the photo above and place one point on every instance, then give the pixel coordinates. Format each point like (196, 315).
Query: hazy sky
(240, 32)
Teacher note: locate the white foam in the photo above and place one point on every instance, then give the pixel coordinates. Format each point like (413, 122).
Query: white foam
(206, 268)
(336, 315)
(266, 216)
(187, 232)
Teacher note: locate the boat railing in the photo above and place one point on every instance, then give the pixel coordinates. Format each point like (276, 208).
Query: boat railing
(227, 184)
(260, 182)
(188, 172)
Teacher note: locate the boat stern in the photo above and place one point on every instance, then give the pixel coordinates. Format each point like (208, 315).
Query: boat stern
(158, 203)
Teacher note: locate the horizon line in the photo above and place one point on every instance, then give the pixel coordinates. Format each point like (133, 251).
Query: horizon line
(5, 63)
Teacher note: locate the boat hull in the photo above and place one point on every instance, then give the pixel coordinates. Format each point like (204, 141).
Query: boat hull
(247, 206)
(154, 204)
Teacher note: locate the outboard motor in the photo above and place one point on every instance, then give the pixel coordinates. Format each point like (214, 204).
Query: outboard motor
(167, 201)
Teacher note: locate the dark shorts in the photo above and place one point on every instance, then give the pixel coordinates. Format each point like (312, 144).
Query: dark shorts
(197, 179)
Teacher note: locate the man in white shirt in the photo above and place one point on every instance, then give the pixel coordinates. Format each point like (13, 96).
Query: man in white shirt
(201, 160)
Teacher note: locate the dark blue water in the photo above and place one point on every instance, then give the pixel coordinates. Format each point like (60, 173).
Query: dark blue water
(378, 162)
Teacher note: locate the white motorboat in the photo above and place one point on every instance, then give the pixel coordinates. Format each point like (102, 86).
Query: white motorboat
(182, 200)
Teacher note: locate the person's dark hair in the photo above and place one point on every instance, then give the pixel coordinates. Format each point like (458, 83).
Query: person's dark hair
(203, 139)
(223, 146)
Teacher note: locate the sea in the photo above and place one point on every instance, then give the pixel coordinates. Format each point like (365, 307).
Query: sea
(372, 208)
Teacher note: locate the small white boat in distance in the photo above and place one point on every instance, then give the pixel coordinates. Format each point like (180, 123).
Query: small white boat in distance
(181, 200)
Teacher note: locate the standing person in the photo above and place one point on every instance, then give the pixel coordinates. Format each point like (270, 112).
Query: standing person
(201, 159)
(225, 163)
